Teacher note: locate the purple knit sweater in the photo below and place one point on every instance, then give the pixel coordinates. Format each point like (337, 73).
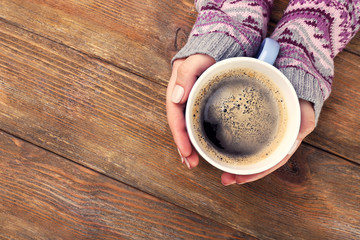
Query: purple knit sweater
(311, 33)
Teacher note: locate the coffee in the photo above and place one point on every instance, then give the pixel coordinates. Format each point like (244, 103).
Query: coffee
(239, 117)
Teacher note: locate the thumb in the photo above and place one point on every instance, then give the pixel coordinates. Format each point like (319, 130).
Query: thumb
(307, 123)
(307, 119)
(187, 73)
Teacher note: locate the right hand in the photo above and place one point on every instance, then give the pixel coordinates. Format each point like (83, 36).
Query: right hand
(184, 75)
(306, 127)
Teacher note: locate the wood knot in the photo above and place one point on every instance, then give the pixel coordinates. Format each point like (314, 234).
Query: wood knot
(296, 170)
(180, 39)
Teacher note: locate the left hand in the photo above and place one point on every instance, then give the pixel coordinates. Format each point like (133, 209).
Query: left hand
(184, 74)
(306, 127)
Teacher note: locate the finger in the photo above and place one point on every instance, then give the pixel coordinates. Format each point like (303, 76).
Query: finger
(192, 160)
(187, 73)
(193, 67)
(306, 127)
(307, 119)
(188, 154)
(176, 118)
(228, 179)
(307, 123)
(241, 179)
(177, 125)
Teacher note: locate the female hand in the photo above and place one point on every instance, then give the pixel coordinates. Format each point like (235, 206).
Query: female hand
(306, 127)
(184, 74)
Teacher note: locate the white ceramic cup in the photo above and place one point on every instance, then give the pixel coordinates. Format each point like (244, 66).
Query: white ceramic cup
(268, 54)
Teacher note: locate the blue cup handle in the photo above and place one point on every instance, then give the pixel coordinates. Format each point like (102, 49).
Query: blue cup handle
(269, 50)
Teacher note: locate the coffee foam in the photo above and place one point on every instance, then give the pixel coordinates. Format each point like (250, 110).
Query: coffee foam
(242, 100)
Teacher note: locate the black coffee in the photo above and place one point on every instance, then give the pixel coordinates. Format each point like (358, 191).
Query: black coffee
(239, 115)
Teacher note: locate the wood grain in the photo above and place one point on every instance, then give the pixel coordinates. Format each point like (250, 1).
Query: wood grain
(44, 196)
(153, 30)
(347, 146)
(338, 130)
(138, 37)
(114, 122)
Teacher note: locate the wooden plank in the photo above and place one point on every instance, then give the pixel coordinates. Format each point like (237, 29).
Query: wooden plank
(343, 146)
(58, 22)
(139, 37)
(114, 122)
(153, 30)
(44, 196)
(354, 45)
(338, 130)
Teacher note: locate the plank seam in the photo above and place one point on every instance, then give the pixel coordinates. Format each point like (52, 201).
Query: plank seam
(117, 180)
(91, 56)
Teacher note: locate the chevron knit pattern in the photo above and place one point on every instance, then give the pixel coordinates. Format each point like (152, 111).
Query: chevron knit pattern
(311, 33)
(226, 28)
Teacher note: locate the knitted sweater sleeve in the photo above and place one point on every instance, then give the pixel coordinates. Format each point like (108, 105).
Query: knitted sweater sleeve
(311, 33)
(227, 28)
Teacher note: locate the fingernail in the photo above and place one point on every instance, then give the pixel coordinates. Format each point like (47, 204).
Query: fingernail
(182, 158)
(177, 94)
(240, 183)
(187, 163)
(228, 184)
(294, 147)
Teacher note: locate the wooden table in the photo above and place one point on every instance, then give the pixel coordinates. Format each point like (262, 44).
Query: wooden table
(86, 152)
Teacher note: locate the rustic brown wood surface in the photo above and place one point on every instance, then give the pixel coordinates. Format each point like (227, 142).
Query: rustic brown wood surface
(44, 195)
(154, 31)
(85, 81)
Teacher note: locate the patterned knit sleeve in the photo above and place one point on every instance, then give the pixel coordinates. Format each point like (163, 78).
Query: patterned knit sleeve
(227, 28)
(311, 33)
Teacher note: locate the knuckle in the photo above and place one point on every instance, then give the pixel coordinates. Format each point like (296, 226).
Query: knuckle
(311, 126)
(182, 72)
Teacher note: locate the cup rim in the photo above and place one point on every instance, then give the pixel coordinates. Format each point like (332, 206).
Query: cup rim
(292, 131)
